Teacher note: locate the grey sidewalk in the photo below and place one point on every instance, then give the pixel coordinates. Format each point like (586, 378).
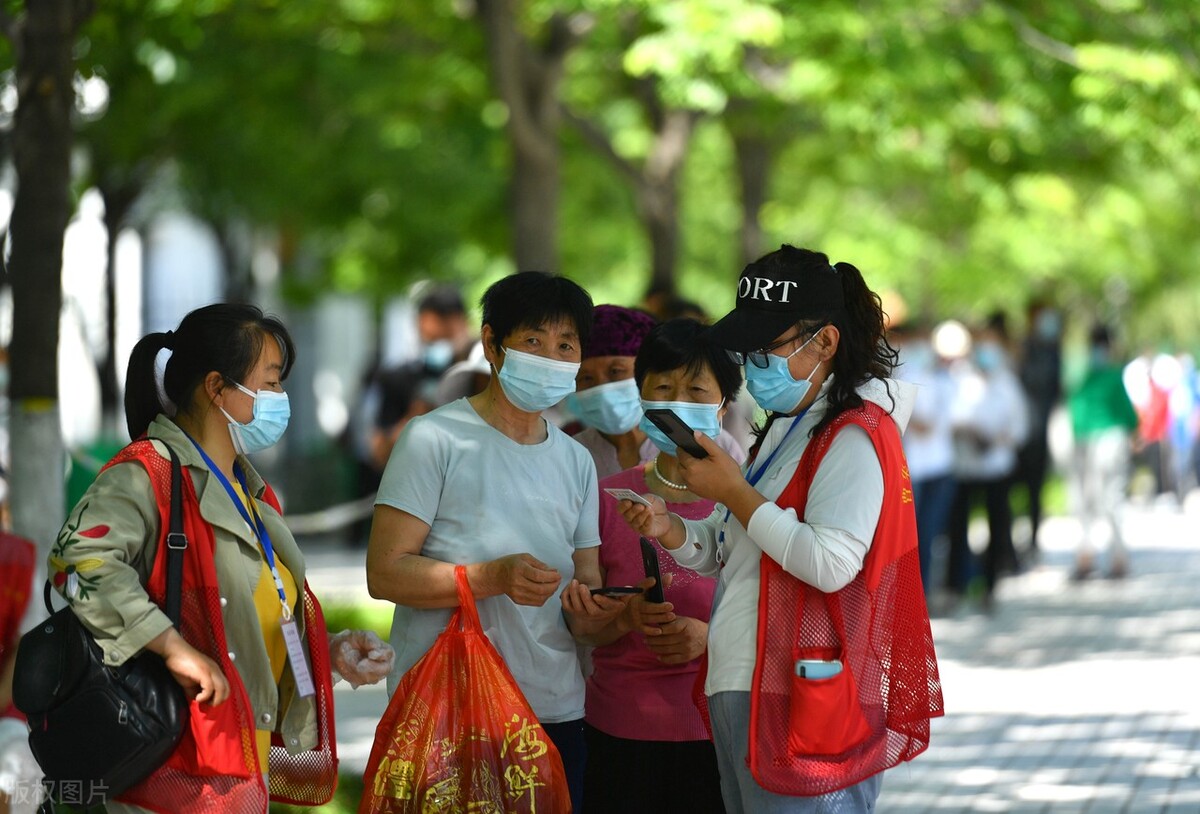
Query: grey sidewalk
(1069, 698)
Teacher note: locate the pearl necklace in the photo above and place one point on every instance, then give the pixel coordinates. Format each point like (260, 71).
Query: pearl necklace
(679, 487)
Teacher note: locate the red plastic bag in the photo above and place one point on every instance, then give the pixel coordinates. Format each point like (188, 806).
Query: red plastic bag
(459, 736)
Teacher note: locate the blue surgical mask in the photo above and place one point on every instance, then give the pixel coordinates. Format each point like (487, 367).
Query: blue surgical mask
(534, 383)
(271, 413)
(438, 355)
(989, 357)
(773, 387)
(703, 417)
(613, 408)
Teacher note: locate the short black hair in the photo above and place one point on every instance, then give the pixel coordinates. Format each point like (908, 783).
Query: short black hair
(442, 299)
(684, 343)
(531, 299)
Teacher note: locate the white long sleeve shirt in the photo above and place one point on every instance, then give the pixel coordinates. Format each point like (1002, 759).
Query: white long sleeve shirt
(826, 549)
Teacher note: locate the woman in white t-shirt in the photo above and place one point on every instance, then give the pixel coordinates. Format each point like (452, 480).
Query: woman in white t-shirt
(488, 483)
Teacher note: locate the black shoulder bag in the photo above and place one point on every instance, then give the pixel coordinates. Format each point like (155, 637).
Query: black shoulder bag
(98, 730)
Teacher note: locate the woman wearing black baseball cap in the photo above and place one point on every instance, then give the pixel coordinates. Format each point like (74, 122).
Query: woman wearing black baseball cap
(821, 668)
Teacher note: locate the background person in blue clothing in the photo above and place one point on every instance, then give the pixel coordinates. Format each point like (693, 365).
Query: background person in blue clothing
(487, 482)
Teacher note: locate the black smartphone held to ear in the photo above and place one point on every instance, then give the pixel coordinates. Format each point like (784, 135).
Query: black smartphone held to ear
(674, 428)
(650, 563)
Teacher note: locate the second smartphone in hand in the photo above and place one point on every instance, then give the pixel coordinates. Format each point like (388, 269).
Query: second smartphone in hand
(650, 563)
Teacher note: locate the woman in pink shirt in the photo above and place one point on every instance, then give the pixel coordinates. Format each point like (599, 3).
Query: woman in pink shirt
(648, 749)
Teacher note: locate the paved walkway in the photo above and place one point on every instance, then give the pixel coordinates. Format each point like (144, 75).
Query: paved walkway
(1069, 698)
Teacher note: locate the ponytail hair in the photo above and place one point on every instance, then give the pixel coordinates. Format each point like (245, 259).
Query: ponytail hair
(863, 351)
(224, 337)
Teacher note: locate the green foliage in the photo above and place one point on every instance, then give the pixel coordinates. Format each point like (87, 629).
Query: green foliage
(376, 617)
(965, 155)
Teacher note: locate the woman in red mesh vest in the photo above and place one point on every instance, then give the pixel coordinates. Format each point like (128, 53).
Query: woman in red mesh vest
(821, 669)
(261, 719)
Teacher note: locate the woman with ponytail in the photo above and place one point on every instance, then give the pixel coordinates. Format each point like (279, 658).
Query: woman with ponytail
(821, 669)
(250, 647)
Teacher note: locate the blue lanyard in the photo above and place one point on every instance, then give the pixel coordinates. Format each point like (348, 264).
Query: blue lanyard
(754, 478)
(251, 517)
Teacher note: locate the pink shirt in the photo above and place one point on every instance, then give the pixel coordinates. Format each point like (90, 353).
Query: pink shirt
(631, 694)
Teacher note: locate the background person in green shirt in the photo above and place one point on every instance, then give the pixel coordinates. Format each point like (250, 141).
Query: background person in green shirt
(1103, 420)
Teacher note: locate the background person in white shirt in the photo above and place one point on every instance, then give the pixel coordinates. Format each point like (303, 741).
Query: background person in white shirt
(990, 421)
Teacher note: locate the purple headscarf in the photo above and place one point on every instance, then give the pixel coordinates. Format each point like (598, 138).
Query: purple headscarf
(617, 331)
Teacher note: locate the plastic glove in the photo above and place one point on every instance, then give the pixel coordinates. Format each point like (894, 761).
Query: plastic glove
(360, 657)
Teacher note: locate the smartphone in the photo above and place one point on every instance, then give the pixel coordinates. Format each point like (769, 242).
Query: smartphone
(818, 668)
(628, 494)
(650, 562)
(616, 590)
(674, 428)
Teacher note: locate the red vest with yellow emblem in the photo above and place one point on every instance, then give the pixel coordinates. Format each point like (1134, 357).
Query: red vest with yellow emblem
(811, 736)
(215, 768)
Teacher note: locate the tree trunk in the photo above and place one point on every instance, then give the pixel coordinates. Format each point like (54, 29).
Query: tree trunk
(527, 78)
(43, 41)
(534, 207)
(118, 200)
(754, 158)
(658, 205)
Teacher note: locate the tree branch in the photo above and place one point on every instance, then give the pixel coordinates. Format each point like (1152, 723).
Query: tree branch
(595, 136)
(81, 10)
(9, 26)
(513, 71)
(671, 144)
(1039, 41)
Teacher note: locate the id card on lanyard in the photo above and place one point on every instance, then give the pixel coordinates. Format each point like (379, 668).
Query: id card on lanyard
(753, 477)
(287, 624)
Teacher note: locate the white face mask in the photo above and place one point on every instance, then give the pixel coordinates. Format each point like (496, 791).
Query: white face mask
(698, 415)
(271, 413)
(773, 386)
(613, 407)
(534, 383)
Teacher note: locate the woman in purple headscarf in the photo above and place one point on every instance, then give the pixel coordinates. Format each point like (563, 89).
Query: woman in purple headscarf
(606, 398)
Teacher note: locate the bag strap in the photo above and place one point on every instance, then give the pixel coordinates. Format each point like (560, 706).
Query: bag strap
(468, 614)
(177, 541)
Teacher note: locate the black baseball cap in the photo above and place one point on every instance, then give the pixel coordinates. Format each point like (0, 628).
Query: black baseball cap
(775, 292)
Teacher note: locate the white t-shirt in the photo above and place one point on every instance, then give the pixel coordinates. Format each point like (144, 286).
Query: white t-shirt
(485, 496)
(826, 549)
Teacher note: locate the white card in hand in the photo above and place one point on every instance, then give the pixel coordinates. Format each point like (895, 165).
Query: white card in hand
(628, 494)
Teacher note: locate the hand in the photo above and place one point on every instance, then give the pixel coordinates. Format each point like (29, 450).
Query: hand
(649, 521)
(525, 579)
(200, 676)
(649, 617)
(679, 641)
(578, 600)
(712, 477)
(360, 657)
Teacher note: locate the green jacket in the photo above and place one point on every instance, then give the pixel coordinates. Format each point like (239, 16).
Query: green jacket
(112, 568)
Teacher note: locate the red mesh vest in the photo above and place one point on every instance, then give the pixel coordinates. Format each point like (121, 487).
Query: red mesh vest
(214, 770)
(815, 736)
(18, 558)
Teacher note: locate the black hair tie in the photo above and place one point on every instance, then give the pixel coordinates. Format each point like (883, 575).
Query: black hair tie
(169, 340)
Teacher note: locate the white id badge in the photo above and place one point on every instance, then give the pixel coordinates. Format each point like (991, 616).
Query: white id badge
(295, 651)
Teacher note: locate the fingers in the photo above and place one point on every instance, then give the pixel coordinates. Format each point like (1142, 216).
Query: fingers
(220, 689)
